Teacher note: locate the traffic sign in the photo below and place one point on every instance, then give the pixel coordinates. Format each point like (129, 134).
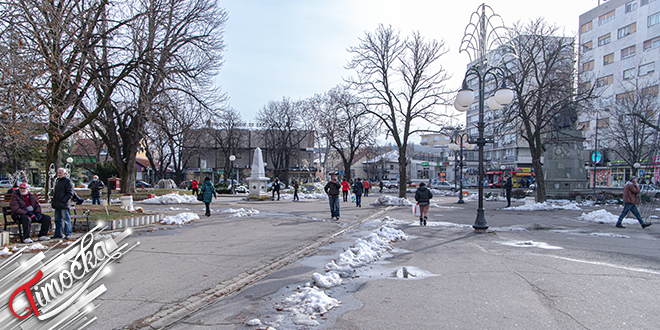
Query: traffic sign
(596, 157)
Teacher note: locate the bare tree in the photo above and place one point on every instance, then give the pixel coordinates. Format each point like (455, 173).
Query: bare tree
(228, 131)
(400, 82)
(543, 80)
(283, 132)
(182, 45)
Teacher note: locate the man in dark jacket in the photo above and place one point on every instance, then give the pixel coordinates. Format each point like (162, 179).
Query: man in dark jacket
(358, 189)
(276, 188)
(62, 195)
(423, 197)
(96, 186)
(630, 201)
(508, 185)
(25, 210)
(332, 188)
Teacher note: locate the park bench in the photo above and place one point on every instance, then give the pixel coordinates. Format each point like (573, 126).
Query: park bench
(9, 221)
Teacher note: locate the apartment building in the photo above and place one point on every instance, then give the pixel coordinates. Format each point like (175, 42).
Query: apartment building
(619, 42)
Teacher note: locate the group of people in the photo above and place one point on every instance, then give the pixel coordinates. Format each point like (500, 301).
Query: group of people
(359, 188)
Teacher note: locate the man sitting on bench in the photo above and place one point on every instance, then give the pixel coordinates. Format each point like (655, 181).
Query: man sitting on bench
(25, 210)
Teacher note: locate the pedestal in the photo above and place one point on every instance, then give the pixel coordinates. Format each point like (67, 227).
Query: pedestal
(258, 188)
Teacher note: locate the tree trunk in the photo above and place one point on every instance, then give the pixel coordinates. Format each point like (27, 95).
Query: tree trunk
(540, 180)
(403, 167)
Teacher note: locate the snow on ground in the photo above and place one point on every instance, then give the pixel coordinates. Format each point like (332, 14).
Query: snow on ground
(33, 247)
(5, 252)
(307, 303)
(444, 207)
(173, 198)
(605, 217)
(305, 196)
(389, 200)
(239, 213)
(100, 237)
(546, 206)
(326, 281)
(180, 219)
(540, 245)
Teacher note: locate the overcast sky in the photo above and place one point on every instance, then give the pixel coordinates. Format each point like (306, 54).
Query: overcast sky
(296, 48)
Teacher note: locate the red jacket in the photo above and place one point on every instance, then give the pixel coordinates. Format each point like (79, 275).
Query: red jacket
(366, 184)
(19, 206)
(345, 186)
(195, 184)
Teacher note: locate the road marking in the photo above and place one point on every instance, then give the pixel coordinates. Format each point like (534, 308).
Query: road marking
(599, 263)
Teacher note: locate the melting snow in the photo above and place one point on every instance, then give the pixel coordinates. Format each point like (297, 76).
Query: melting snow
(239, 213)
(33, 247)
(540, 245)
(545, 206)
(605, 217)
(173, 198)
(180, 219)
(5, 252)
(389, 200)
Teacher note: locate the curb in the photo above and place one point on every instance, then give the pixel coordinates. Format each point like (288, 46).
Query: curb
(177, 312)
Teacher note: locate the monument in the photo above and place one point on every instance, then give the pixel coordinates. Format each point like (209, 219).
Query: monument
(563, 166)
(258, 182)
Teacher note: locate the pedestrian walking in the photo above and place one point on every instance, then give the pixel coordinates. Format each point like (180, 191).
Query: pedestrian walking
(630, 200)
(366, 186)
(508, 185)
(423, 197)
(208, 192)
(276, 188)
(358, 189)
(25, 210)
(295, 190)
(96, 186)
(62, 194)
(344, 189)
(381, 185)
(195, 187)
(332, 189)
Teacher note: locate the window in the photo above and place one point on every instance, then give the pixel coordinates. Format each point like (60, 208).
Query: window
(646, 2)
(631, 6)
(588, 66)
(585, 86)
(436, 138)
(583, 126)
(647, 68)
(604, 40)
(649, 92)
(654, 19)
(621, 98)
(586, 27)
(628, 52)
(608, 59)
(604, 81)
(629, 74)
(587, 46)
(651, 43)
(626, 30)
(603, 122)
(606, 18)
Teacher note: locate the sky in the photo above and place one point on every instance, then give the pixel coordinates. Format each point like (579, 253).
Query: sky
(298, 48)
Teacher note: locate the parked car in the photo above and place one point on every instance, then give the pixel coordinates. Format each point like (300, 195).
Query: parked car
(442, 185)
(390, 184)
(186, 185)
(496, 185)
(142, 184)
(6, 184)
(650, 190)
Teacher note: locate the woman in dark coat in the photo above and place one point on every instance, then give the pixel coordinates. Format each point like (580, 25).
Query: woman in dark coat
(208, 192)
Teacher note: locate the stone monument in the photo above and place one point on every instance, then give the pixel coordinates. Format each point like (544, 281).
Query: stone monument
(563, 166)
(258, 182)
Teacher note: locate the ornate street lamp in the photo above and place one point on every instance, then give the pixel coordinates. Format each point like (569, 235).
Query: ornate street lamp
(232, 158)
(481, 36)
(458, 142)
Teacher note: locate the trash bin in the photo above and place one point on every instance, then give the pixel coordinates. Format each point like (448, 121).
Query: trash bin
(126, 202)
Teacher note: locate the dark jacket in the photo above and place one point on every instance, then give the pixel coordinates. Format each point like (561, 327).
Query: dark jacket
(630, 192)
(423, 196)
(276, 185)
(508, 185)
(332, 189)
(296, 185)
(208, 191)
(62, 194)
(19, 206)
(95, 187)
(358, 188)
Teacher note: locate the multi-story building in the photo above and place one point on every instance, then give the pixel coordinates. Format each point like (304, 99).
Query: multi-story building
(619, 43)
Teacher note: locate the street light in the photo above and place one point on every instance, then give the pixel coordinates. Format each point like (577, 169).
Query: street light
(232, 158)
(458, 143)
(478, 41)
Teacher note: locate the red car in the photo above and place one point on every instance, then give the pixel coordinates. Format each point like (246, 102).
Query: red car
(496, 185)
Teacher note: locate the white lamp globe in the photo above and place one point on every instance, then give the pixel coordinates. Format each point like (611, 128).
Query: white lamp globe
(493, 105)
(453, 146)
(637, 165)
(465, 97)
(504, 96)
(69, 160)
(232, 158)
(469, 146)
(460, 108)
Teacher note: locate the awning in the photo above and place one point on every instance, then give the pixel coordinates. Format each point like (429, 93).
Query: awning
(523, 174)
(493, 172)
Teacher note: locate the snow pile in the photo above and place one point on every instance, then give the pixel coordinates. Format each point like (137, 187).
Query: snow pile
(253, 322)
(545, 206)
(301, 195)
(173, 198)
(437, 192)
(239, 213)
(180, 219)
(605, 217)
(307, 303)
(323, 281)
(33, 247)
(101, 237)
(540, 245)
(391, 201)
(5, 252)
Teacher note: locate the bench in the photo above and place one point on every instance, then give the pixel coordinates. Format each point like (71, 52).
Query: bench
(6, 213)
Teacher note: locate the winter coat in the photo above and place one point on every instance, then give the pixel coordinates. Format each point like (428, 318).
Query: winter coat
(95, 187)
(366, 184)
(208, 191)
(630, 192)
(508, 185)
(423, 196)
(19, 206)
(276, 185)
(345, 186)
(358, 188)
(296, 185)
(62, 194)
(332, 189)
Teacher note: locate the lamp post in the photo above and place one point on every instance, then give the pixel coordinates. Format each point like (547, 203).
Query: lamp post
(479, 41)
(458, 143)
(232, 158)
(636, 166)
